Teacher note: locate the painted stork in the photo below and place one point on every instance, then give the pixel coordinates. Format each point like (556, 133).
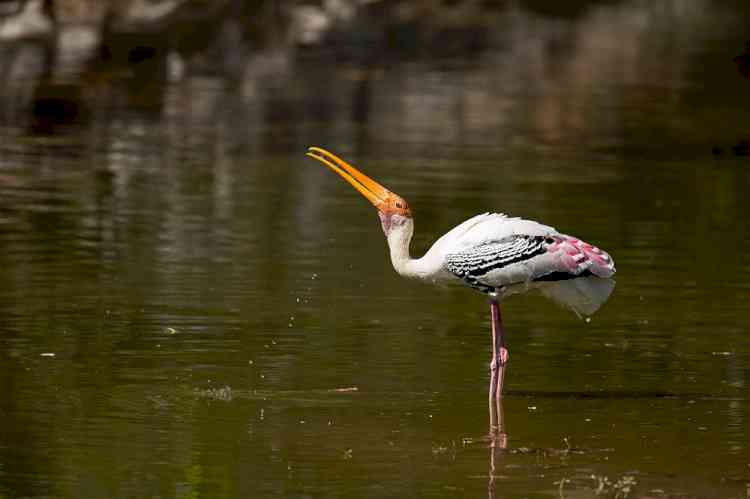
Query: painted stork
(492, 253)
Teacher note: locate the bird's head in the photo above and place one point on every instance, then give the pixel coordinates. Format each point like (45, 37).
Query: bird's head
(393, 209)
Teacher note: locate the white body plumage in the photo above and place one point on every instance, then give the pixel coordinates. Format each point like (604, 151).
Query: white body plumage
(496, 253)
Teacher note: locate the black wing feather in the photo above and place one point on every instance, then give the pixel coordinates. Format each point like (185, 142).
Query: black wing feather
(471, 264)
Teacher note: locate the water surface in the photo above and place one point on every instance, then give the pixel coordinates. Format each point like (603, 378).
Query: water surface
(189, 307)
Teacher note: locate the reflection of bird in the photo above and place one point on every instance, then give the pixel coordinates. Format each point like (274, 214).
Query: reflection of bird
(492, 253)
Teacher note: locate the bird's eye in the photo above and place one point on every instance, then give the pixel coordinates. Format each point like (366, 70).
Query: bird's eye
(398, 205)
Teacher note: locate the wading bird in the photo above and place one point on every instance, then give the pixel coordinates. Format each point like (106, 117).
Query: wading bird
(492, 253)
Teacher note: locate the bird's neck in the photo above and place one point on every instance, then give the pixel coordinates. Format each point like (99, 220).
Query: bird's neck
(399, 239)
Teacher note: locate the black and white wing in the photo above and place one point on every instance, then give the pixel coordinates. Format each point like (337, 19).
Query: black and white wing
(569, 271)
(498, 263)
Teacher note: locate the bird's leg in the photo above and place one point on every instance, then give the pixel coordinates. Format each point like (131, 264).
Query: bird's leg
(499, 353)
(498, 333)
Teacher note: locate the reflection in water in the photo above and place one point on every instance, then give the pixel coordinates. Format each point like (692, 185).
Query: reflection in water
(498, 439)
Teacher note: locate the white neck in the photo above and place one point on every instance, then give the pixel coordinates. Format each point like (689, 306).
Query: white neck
(399, 237)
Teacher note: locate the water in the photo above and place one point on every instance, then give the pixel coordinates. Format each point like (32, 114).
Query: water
(192, 308)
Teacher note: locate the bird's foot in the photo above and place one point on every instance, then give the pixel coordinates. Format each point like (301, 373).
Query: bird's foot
(503, 356)
(501, 360)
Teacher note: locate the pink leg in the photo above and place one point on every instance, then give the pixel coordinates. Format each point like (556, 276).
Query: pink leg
(499, 353)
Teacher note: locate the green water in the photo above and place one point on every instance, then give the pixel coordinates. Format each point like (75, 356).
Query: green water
(189, 307)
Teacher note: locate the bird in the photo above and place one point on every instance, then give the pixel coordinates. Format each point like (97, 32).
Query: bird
(492, 253)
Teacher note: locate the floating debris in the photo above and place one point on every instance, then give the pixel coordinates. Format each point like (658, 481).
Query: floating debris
(224, 393)
(620, 488)
(439, 449)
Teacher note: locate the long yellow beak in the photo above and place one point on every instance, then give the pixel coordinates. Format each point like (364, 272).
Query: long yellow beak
(366, 186)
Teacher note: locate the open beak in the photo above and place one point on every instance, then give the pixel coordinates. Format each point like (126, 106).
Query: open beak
(366, 186)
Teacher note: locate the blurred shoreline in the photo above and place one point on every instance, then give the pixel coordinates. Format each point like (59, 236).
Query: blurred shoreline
(517, 64)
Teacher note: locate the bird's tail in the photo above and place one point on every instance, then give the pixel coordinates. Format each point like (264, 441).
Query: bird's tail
(583, 295)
